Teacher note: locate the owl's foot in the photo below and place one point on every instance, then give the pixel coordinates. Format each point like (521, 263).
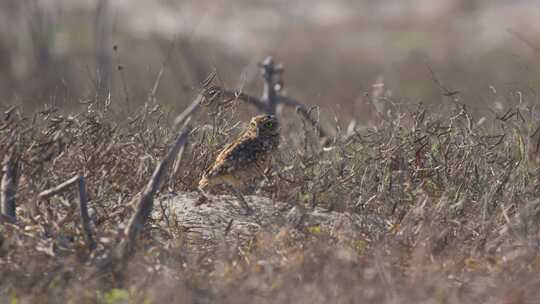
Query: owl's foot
(202, 197)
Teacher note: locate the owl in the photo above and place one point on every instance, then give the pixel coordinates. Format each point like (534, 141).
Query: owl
(247, 157)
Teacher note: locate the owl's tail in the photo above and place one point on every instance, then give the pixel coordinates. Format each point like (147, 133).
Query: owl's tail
(204, 182)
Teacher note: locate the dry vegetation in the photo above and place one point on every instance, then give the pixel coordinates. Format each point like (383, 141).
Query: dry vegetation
(459, 191)
(453, 180)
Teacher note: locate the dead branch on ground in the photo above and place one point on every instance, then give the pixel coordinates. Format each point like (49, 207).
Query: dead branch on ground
(58, 189)
(83, 204)
(146, 203)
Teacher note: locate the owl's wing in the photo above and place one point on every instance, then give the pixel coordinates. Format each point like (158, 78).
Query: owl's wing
(234, 157)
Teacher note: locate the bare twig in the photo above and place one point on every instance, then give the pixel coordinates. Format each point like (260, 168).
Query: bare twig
(176, 165)
(225, 96)
(153, 92)
(523, 39)
(192, 108)
(85, 218)
(103, 35)
(58, 189)
(228, 96)
(445, 91)
(206, 93)
(9, 183)
(124, 83)
(301, 108)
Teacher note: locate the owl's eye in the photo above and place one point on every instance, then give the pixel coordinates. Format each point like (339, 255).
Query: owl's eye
(269, 124)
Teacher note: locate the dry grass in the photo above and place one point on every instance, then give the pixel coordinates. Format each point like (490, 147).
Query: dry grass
(460, 191)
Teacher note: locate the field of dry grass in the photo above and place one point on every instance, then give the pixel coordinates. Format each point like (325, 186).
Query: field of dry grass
(421, 116)
(458, 188)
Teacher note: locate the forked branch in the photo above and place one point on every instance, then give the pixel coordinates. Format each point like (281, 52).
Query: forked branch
(272, 74)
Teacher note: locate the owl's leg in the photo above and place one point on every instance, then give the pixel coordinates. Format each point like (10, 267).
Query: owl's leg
(240, 198)
(204, 183)
(203, 197)
(264, 169)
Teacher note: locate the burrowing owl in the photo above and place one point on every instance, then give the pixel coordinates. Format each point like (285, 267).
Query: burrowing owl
(247, 157)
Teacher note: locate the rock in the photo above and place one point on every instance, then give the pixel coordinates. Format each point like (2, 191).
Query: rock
(222, 219)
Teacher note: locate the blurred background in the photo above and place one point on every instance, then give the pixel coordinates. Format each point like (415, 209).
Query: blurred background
(335, 53)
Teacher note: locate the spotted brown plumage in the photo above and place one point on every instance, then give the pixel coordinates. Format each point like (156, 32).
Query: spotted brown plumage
(247, 157)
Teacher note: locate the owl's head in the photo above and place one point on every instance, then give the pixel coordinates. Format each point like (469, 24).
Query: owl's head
(264, 125)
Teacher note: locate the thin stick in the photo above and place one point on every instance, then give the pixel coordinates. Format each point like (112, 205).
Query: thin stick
(194, 106)
(301, 108)
(153, 92)
(8, 188)
(176, 165)
(524, 40)
(58, 189)
(228, 96)
(446, 92)
(225, 95)
(85, 218)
